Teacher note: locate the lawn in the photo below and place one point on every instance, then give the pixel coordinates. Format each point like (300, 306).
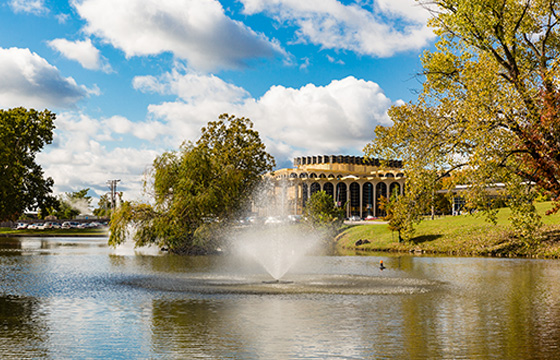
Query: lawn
(461, 235)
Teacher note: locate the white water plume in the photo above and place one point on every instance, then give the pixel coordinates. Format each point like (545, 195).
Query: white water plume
(275, 240)
(276, 248)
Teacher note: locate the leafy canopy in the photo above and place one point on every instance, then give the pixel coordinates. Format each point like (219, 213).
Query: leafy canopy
(201, 186)
(24, 133)
(489, 109)
(320, 211)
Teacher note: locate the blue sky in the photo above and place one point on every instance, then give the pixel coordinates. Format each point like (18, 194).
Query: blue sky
(129, 79)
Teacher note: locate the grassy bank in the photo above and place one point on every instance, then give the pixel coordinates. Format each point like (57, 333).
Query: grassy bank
(460, 235)
(7, 232)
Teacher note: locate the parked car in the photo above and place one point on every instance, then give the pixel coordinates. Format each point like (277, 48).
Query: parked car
(35, 226)
(51, 225)
(21, 226)
(69, 225)
(355, 218)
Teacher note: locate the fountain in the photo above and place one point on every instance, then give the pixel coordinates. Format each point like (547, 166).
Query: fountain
(278, 247)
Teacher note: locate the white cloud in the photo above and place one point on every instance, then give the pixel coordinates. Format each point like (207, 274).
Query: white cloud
(337, 118)
(82, 156)
(389, 27)
(29, 80)
(36, 7)
(195, 30)
(83, 52)
(191, 86)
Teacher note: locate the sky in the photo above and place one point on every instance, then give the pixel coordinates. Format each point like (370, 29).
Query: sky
(131, 79)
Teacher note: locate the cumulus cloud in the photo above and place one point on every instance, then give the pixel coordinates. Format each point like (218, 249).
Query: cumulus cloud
(195, 30)
(191, 86)
(29, 80)
(83, 52)
(339, 117)
(36, 7)
(388, 27)
(84, 155)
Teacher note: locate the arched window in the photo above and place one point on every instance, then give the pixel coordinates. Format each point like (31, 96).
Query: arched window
(341, 195)
(380, 192)
(355, 199)
(293, 175)
(367, 199)
(304, 194)
(302, 175)
(389, 175)
(322, 176)
(315, 187)
(329, 189)
(313, 175)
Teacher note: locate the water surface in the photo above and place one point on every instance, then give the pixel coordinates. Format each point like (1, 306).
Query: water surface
(77, 298)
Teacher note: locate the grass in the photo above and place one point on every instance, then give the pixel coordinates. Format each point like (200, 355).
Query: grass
(461, 235)
(53, 232)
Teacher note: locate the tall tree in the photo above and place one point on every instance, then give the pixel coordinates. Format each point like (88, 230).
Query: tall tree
(24, 133)
(489, 105)
(200, 187)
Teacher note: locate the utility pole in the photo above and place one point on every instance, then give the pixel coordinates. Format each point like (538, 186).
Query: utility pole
(113, 188)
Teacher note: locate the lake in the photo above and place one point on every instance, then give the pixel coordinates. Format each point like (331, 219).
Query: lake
(70, 298)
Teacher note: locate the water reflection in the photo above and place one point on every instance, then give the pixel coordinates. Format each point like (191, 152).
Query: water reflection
(77, 298)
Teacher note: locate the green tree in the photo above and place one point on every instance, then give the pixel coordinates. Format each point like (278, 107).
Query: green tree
(197, 190)
(103, 206)
(489, 106)
(321, 213)
(24, 133)
(73, 204)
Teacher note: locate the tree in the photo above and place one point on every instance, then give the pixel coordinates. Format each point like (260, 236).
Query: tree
(489, 106)
(200, 187)
(103, 207)
(24, 133)
(321, 212)
(73, 204)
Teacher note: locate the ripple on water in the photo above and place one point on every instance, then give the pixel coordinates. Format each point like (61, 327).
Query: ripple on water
(295, 284)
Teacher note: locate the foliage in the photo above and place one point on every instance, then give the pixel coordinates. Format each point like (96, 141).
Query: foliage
(23, 133)
(201, 186)
(321, 213)
(489, 106)
(73, 204)
(401, 214)
(103, 206)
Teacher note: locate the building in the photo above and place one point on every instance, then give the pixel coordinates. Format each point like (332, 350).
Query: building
(355, 182)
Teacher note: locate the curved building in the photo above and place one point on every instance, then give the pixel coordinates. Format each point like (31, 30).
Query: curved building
(353, 181)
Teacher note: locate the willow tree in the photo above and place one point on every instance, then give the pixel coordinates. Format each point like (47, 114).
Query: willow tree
(489, 108)
(197, 189)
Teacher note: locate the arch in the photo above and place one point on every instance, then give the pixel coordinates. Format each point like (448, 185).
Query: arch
(293, 175)
(341, 196)
(400, 175)
(322, 176)
(303, 175)
(389, 175)
(315, 187)
(329, 189)
(338, 177)
(355, 199)
(380, 191)
(313, 175)
(367, 199)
